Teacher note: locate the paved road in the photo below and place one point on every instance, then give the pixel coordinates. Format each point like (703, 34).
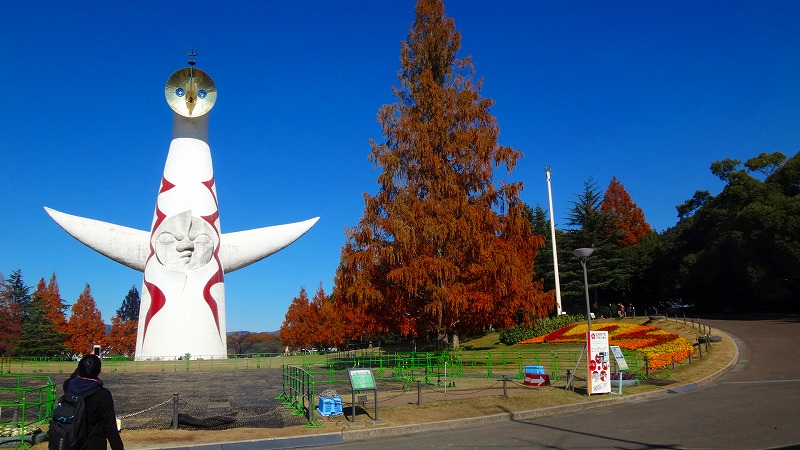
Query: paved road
(754, 405)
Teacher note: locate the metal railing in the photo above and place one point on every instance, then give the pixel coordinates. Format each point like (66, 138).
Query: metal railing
(26, 402)
(298, 393)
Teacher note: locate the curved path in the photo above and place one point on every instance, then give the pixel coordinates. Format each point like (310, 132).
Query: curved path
(754, 405)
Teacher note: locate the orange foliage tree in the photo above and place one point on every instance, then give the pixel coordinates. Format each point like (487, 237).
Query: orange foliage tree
(85, 325)
(121, 339)
(443, 248)
(295, 330)
(329, 331)
(53, 303)
(312, 324)
(629, 218)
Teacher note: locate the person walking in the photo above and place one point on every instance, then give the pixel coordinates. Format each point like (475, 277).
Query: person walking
(100, 416)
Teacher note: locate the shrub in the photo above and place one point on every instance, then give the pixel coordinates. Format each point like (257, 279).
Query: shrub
(542, 326)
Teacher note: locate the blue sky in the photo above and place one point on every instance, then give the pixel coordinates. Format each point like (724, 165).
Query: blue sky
(651, 92)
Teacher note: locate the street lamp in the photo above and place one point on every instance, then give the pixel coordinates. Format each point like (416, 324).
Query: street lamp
(584, 254)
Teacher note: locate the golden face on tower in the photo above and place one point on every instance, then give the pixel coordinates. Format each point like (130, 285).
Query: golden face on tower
(190, 92)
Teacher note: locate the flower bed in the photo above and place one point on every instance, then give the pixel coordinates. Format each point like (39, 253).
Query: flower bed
(659, 346)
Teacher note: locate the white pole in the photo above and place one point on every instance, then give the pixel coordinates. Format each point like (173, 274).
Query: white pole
(553, 238)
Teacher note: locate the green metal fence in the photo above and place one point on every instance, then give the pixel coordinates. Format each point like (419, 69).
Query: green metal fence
(298, 393)
(26, 403)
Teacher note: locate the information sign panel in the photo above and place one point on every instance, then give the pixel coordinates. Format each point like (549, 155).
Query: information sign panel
(598, 360)
(361, 379)
(619, 357)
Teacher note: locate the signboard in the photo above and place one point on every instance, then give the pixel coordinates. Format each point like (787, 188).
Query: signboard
(536, 379)
(619, 357)
(598, 362)
(361, 379)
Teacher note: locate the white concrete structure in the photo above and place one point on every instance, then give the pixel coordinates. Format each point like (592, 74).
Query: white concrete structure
(184, 256)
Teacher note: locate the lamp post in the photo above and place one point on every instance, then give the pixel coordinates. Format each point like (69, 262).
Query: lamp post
(584, 254)
(553, 239)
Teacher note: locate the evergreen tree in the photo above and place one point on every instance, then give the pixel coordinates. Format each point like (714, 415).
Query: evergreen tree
(129, 310)
(40, 337)
(442, 249)
(10, 319)
(543, 263)
(608, 272)
(17, 291)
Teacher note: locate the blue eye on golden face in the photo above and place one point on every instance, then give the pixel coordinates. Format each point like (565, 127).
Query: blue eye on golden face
(201, 93)
(180, 92)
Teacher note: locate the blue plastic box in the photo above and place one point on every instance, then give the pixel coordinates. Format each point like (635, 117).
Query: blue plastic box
(538, 370)
(330, 406)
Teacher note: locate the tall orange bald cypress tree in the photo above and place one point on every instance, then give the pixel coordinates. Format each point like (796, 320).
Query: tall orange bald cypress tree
(629, 218)
(295, 330)
(443, 248)
(86, 327)
(53, 303)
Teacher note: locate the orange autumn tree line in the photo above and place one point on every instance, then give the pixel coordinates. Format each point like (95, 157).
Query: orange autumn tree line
(59, 335)
(313, 324)
(443, 249)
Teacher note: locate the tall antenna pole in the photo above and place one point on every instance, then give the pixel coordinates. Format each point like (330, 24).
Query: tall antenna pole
(553, 238)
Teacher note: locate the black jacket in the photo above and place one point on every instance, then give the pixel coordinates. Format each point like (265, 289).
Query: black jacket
(100, 416)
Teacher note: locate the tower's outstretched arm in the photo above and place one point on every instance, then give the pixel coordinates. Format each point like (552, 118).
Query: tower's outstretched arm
(130, 247)
(127, 246)
(242, 248)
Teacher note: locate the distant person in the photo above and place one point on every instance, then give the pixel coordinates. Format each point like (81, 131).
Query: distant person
(100, 416)
(621, 310)
(632, 310)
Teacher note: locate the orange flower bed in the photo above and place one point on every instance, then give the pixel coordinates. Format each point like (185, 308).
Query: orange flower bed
(660, 346)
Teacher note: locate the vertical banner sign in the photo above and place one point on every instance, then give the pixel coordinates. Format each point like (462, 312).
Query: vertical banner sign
(599, 361)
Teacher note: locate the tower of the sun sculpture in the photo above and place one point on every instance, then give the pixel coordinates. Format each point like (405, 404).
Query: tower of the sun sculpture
(184, 256)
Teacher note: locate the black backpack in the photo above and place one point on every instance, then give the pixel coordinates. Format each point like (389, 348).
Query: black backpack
(68, 427)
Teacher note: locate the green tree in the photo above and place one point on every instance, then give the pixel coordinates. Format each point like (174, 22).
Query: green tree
(10, 319)
(442, 249)
(739, 251)
(608, 271)
(40, 337)
(129, 310)
(16, 290)
(543, 263)
(689, 207)
(765, 163)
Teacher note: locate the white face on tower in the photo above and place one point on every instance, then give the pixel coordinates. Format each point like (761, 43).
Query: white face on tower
(184, 242)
